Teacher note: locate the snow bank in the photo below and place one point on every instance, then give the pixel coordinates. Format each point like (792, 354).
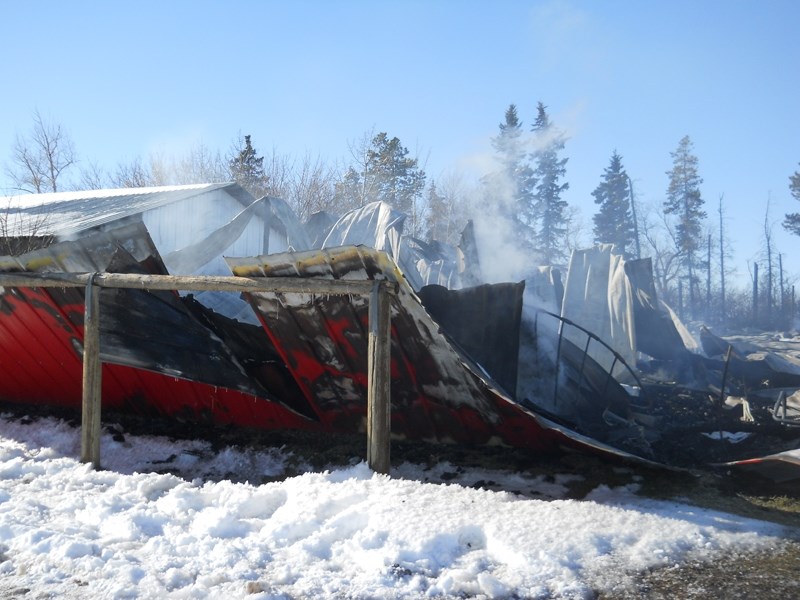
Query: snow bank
(129, 532)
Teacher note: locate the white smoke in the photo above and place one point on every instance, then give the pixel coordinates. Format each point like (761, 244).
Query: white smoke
(501, 252)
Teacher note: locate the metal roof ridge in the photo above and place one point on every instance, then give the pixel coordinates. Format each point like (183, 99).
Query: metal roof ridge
(27, 200)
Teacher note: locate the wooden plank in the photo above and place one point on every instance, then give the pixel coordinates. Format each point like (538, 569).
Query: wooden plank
(379, 380)
(219, 283)
(92, 378)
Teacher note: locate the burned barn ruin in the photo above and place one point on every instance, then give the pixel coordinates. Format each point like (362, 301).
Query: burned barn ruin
(584, 356)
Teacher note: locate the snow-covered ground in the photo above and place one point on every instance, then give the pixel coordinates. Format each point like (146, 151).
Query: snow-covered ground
(130, 532)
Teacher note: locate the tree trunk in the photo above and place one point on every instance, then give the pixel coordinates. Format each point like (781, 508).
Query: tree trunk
(708, 278)
(782, 298)
(755, 293)
(721, 263)
(635, 221)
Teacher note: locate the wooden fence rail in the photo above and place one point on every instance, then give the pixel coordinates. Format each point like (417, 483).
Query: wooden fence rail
(378, 361)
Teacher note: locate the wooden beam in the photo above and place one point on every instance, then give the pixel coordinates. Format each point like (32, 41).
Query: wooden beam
(379, 380)
(92, 377)
(221, 283)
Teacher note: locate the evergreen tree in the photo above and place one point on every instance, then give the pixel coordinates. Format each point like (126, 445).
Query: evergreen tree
(792, 220)
(349, 191)
(399, 181)
(385, 173)
(613, 222)
(686, 203)
(510, 189)
(247, 168)
(439, 215)
(548, 170)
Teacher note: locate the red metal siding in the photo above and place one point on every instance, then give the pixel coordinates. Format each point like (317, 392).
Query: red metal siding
(40, 363)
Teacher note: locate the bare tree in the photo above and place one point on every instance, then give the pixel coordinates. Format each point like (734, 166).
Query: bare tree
(132, 175)
(660, 237)
(200, 165)
(162, 170)
(92, 177)
(279, 170)
(40, 159)
(768, 252)
(575, 235)
(459, 196)
(19, 234)
(358, 184)
(313, 187)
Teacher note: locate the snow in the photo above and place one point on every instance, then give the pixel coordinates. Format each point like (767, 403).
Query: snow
(130, 531)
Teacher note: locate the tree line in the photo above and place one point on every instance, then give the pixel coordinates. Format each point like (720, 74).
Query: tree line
(690, 256)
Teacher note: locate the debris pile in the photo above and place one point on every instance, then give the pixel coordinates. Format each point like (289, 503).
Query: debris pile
(592, 360)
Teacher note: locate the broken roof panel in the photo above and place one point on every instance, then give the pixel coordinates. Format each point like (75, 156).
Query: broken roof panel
(158, 356)
(377, 225)
(318, 226)
(438, 393)
(67, 213)
(286, 232)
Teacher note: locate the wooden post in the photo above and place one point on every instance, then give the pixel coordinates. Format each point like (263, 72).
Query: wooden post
(379, 380)
(92, 377)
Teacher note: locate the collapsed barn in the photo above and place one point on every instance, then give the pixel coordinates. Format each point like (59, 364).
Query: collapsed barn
(593, 361)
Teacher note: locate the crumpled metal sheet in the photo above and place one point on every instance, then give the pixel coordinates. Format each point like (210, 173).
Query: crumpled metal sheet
(191, 258)
(437, 392)
(158, 357)
(284, 229)
(68, 214)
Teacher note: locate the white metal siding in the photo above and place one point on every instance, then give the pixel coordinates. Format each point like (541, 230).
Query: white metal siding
(186, 222)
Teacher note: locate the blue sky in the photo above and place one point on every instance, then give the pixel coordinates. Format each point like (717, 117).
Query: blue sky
(130, 78)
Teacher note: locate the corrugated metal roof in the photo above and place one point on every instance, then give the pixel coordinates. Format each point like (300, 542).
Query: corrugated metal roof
(159, 353)
(67, 213)
(437, 392)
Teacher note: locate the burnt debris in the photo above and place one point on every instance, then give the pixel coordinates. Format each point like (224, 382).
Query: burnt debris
(592, 360)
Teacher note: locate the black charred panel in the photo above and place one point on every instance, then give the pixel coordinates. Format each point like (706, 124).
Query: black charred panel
(484, 321)
(257, 355)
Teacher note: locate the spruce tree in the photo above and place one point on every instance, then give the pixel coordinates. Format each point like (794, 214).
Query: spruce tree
(613, 222)
(686, 203)
(398, 179)
(247, 168)
(384, 172)
(515, 180)
(548, 171)
(792, 220)
(439, 216)
(508, 143)
(509, 190)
